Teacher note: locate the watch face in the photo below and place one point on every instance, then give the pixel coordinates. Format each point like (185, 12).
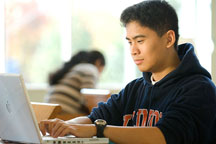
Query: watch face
(100, 122)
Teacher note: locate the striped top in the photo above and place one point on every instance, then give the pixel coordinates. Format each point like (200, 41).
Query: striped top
(67, 91)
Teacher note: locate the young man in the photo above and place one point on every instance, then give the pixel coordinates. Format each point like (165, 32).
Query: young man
(174, 101)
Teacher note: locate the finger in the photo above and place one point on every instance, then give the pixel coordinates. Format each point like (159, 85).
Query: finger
(66, 131)
(52, 124)
(56, 126)
(42, 128)
(50, 127)
(59, 130)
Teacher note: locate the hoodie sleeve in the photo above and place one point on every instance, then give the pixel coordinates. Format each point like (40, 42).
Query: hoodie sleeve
(113, 110)
(192, 116)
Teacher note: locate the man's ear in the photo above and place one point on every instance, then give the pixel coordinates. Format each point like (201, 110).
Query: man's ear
(170, 38)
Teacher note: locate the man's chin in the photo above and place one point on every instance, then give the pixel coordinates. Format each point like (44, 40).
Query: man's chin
(143, 69)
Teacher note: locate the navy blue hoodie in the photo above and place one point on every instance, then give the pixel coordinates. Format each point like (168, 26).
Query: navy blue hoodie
(182, 104)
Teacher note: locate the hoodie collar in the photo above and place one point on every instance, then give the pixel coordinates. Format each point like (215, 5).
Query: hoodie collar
(189, 65)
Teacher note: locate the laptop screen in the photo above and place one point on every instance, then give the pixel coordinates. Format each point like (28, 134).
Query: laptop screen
(17, 122)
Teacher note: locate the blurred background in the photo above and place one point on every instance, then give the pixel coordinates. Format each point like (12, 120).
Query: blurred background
(37, 36)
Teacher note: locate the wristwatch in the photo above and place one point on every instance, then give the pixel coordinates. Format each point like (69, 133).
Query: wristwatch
(100, 126)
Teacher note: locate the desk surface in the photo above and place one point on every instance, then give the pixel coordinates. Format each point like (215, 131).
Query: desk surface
(1, 142)
(6, 142)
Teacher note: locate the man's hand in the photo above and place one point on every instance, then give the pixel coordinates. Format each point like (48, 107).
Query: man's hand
(47, 125)
(57, 127)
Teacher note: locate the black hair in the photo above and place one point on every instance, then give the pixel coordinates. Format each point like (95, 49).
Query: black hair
(96, 55)
(157, 15)
(80, 57)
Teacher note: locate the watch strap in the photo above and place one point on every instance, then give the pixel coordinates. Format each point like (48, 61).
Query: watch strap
(100, 130)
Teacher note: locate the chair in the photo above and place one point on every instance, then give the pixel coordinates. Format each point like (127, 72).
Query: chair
(94, 96)
(45, 110)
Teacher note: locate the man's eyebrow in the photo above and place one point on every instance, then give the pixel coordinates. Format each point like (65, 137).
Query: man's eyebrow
(135, 37)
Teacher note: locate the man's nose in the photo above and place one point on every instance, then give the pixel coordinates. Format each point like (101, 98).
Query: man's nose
(134, 49)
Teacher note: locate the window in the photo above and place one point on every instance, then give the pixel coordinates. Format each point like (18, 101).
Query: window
(2, 37)
(195, 27)
(41, 35)
(32, 38)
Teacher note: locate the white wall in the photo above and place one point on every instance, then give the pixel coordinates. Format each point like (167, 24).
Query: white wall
(36, 95)
(214, 40)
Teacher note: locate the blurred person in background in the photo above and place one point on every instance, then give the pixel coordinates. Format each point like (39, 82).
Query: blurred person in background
(81, 71)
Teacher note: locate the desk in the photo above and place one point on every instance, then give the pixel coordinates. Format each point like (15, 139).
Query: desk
(94, 96)
(2, 142)
(6, 142)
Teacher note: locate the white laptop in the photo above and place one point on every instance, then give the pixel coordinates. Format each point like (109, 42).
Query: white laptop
(17, 119)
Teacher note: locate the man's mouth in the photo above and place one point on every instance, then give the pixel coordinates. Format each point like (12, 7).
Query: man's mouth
(138, 61)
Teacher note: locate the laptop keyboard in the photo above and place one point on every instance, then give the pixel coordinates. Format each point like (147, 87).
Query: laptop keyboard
(74, 140)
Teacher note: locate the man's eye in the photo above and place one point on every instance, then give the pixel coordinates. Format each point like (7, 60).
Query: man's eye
(140, 41)
(130, 42)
